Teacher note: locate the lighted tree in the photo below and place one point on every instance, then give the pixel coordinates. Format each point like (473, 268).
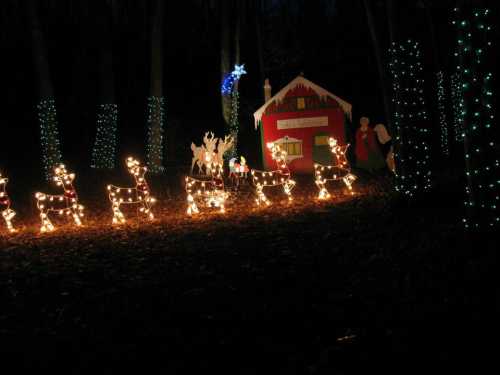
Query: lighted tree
(410, 120)
(482, 160)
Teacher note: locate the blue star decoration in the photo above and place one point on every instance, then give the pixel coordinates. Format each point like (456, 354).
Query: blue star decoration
(231, 78)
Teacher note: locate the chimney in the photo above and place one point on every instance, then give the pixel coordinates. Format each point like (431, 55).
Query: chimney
(267, 90)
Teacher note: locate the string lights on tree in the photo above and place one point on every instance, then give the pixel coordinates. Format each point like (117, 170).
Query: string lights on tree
(443, 124)
(155, 144)
(482, 161)
(49, 135)
(104, 152)
(230, 87)
(412, 152)
(457, 101)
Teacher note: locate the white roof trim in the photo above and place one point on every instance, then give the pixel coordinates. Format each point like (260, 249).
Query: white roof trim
(299, 80)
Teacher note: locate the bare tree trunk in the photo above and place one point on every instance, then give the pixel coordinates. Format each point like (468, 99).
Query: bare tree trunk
(49, 133)
(235, 96)
(156, 101)
(380, 66)
(258, 34)
(225, 63)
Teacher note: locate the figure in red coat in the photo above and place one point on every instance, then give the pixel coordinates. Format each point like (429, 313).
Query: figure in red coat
(368, 155)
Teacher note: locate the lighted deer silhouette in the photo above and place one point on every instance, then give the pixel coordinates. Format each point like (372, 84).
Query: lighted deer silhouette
(222, 147)
(7, 212)
(279, 177)
(339, 171)
(204, 155)
(63, 204)
(138, 195)
(209, 192)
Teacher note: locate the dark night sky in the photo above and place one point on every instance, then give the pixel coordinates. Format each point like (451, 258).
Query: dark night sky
(331, 45)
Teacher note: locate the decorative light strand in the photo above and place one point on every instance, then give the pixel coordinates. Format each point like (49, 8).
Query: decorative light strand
(7, 212)
(341, 170)
(234, 123)
(139, 195)
(458, 107)
(66, 203)
(279, 177)
(49, 135)
(482, 164)
(104, 152)
(441, 100)
(411, 149)
(156, 119)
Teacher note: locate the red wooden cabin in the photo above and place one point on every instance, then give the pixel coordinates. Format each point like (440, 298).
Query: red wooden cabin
(301, 117)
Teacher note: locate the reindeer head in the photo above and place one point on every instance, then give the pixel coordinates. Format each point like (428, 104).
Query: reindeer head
(332, 142)
(63, 178)
(225, 145)
(3, 181)
(210, 142)
(136, 169)
(276, 152)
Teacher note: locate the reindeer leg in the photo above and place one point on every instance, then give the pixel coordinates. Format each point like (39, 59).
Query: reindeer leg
(146, 208)
(47, 225)
(76, 211)
(321, 184)
(287, 188)
(118, 217)
(261, 197)
(192, 207)
(8, 214)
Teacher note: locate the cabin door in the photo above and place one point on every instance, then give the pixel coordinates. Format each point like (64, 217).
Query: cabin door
(321, 150)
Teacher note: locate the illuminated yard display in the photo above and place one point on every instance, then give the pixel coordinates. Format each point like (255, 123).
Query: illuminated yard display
(238, 172)
(207, 192)
(205, 157)
(7, 213)
(139, 195)
(339, 171)
(63, 204)
(279, 177)
(300, 118)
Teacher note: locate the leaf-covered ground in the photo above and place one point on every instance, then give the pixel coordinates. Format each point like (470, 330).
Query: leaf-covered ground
(298, 288)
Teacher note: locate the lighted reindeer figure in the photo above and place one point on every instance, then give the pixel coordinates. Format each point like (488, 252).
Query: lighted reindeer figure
(138, 195)
(210, 192)
(222, 147)
(7, 212)
(203, 156)
(63, 204)
(340, 171)
(279, 177)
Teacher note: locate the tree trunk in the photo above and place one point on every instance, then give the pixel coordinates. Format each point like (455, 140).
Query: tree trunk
(104, 151)
(49, 134)
(235, 96)
(156, 100)
(225, 63)
(258, 35)
(380, 66)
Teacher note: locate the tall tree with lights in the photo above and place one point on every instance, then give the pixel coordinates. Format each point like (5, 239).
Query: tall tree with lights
(411, 125)
(225, 57)
(156, 101)
(46, 108)
(440, 82)
(482, 153)
(104, 151)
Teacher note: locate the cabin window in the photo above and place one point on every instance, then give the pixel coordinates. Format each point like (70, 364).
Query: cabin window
(292, 148)
(301, 103)
(321, 140)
